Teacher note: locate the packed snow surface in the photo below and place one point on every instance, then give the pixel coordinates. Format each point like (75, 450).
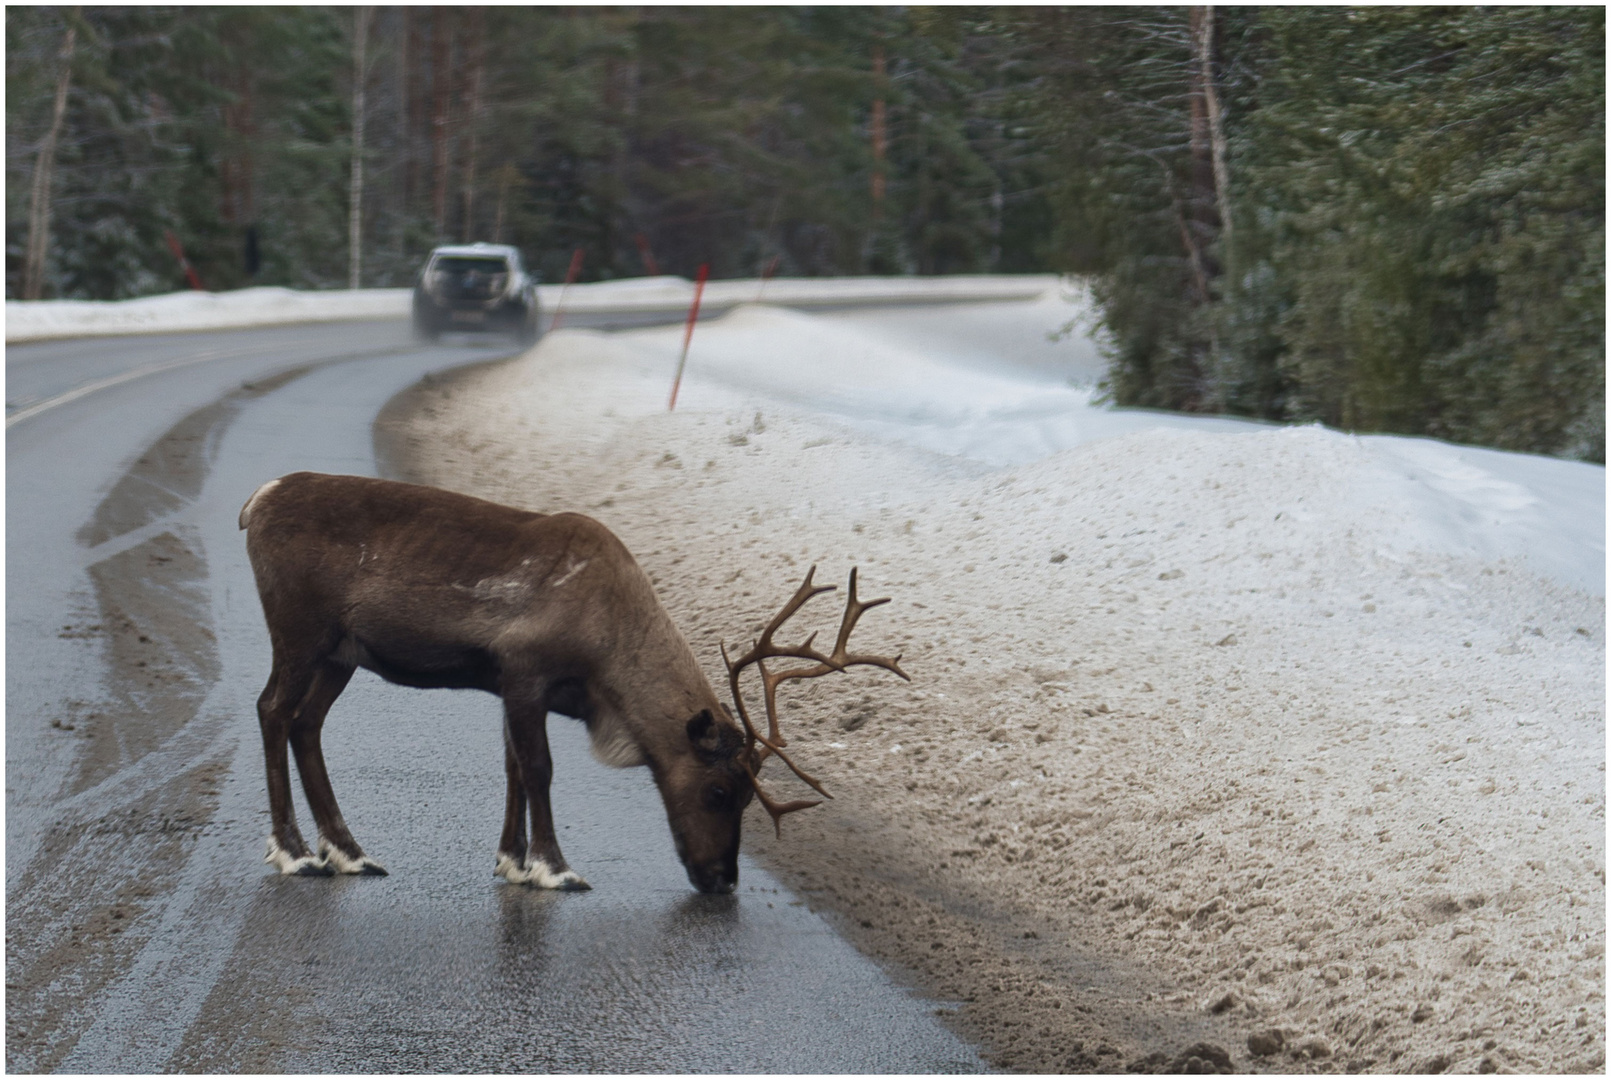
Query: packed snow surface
(1415, 494)
(1310, 724)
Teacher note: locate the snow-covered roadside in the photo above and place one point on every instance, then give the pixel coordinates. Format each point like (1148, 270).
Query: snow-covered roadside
(668, 293)
(1419, 494)
(35, 320)
(267, 306)
(1280, 714)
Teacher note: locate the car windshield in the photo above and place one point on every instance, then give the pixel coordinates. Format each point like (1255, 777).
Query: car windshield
(457, 265)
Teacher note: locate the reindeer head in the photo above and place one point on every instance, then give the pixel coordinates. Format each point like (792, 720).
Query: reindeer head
(706, 791)
(708, 784)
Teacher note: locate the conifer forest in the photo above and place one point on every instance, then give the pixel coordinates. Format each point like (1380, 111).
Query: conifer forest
(1386, 219)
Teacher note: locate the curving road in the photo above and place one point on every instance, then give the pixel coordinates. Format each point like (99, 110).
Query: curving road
(143, 931)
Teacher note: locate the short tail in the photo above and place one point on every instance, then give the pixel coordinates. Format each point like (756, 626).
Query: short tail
(246, 511)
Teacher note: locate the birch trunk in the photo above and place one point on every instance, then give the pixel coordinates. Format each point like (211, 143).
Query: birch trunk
(1203, 39)
(33, 270)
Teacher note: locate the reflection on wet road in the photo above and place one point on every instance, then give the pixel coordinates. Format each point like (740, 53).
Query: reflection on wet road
(145, 934)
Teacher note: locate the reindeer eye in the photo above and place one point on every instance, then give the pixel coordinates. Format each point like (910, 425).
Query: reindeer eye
(718, 797)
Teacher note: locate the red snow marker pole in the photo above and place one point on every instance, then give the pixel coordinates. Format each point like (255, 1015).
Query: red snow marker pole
(570, 279)
(647, 255)
(688, 335)
(184, 264)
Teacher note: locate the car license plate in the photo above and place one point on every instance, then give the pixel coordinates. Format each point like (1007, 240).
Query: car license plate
(470, 316)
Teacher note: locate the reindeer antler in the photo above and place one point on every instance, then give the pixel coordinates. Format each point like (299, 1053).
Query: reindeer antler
(764, 649)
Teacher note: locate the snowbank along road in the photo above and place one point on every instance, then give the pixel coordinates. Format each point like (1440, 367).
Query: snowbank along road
(1274, 747)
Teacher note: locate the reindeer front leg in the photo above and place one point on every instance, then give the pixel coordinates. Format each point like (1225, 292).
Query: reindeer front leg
(337, 848)
(530, 769)
(512, 845)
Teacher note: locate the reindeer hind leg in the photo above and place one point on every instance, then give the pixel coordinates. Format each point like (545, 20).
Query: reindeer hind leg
(276, 708)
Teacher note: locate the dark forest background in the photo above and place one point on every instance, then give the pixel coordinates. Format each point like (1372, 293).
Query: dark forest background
(1386, 219)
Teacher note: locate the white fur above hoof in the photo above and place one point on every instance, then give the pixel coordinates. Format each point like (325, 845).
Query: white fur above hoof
(537, 873)
(342, 863)
(305, 866)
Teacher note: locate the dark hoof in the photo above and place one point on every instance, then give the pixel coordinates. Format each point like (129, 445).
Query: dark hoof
(310, 868)
(574, 885)
(342, 863)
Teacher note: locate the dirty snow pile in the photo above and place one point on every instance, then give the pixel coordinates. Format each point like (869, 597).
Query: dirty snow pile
(1312, 724)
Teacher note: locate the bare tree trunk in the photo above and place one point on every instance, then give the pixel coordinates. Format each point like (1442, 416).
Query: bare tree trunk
(441, 44)
(235, 170)
(1210, 196)
(355, 197)
(229, 167)
(1203, 41)
(1194, 258)
(413, 68)
(879, 134)
(505, 176)
(33, 267)
(476, 32)
(1202, 207)
(248, 128)
(622, 75)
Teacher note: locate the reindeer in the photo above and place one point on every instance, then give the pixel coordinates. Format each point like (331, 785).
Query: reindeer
(430, 589)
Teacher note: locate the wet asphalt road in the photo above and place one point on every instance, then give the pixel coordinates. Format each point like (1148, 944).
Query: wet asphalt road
(144, 933)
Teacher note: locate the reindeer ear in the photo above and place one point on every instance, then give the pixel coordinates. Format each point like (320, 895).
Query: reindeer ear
(702, 732)
(712, 739)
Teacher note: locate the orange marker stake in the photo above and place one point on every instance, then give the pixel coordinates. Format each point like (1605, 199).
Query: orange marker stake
(184, 264)
(688, 335)
(570, 279)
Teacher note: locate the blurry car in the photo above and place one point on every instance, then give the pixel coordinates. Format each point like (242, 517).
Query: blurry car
(475, 287)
